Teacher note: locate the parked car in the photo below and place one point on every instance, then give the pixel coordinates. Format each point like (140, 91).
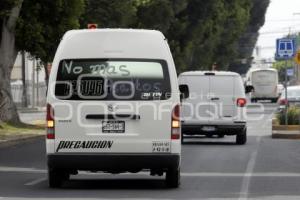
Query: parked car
(105, 90)
(214, 106)
(292, 99)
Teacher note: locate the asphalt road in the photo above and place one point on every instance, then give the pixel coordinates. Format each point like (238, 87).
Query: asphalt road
(264, 168)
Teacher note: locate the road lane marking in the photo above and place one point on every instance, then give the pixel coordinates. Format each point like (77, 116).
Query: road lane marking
(21, 169)
(37, 181)
(220, 174)
(249, 170)
(184, 174)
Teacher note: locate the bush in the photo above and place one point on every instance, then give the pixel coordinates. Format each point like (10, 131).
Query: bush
(293, 116)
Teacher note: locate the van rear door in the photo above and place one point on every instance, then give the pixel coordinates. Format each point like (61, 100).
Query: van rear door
(113, 106)
(196, 108)
(221, 95)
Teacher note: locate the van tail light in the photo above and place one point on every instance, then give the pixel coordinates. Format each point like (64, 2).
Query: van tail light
(175, 126)
(241, 102)
(50, 122)
(283, 101)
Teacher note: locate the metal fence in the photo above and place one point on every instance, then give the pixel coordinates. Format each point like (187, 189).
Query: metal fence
(36, 95)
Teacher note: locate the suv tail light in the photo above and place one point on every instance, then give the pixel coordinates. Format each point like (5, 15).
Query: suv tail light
(50, 122)
(241, 102)
(283, 101)
(175, 126)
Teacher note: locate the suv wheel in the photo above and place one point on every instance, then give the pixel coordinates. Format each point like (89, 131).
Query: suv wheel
(241, 138)
(56, 177)
(173, 178)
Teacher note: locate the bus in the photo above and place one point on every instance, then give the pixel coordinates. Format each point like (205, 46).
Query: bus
(264, 82)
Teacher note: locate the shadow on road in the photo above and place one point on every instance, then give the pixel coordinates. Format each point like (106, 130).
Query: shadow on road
(210, 143)
(134, 184)
(213, 140)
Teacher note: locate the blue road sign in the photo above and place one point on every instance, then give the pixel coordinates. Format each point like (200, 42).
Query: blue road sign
(285, 48)
(290, 72)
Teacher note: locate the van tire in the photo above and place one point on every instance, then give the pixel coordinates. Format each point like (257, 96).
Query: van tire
(173, 178)
(242, 137)
(56, 178)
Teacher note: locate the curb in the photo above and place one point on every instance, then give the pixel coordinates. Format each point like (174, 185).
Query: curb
(279, 134)
(20, 140)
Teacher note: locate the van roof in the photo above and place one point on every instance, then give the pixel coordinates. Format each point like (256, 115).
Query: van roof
(202, 73)
(112, 43)
(263, 69)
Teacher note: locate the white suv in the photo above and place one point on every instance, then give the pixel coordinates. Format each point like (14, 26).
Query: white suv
(113, 105)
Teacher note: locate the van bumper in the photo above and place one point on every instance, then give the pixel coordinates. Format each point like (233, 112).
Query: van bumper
(113, 162)
(194, 129)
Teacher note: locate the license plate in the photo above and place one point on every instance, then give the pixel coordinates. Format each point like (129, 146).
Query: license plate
(161, 147)
(113, 126)
(208, 128)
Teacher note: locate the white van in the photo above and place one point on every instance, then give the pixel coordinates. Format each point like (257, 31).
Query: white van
(215, 105)
(113, 105)
(264, 82)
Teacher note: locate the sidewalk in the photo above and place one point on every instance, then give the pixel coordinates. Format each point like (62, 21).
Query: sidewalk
(10, 135)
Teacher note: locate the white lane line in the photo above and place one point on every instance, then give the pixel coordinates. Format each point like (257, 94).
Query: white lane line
(37, 181)
(21, 169)
(220, 174)
(249, 170)
(208, 174)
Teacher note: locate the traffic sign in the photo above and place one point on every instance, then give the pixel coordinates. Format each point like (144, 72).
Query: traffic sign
(285, 48)
(297, 57)
(92, 26)
(290, 72)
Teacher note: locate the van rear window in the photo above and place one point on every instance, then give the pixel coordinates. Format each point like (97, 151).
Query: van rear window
(112, 79)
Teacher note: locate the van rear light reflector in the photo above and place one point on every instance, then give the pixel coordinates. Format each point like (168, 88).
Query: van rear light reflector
(241, 102)
(50, 122)
(175, 126)
(50, 136)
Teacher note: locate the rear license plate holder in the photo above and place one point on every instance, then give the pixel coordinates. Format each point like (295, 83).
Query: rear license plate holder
(113, 126)
(208, 128)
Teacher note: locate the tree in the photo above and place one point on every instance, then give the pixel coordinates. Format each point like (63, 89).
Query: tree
(199, 32)
(35, 26)
(109, 13)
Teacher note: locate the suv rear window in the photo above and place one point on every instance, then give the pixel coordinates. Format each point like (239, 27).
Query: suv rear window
(112, 79)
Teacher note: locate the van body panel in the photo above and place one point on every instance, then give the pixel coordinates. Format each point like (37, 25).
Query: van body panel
(221, 89)
(94, 126)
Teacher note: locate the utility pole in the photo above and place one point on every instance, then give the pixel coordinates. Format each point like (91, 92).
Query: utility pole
(37, 86)
(24, 94)
(33, 82)
(286, 97)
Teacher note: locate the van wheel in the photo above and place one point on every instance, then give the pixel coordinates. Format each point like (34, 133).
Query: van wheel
(242, 137)
(173, 178)
(56, 178)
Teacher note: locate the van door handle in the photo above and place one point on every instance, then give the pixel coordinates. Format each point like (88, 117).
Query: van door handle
(215, 98)
(113, 116)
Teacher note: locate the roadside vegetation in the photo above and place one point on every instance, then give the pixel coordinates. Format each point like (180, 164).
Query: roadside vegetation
(8, 131)
(293, 116)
